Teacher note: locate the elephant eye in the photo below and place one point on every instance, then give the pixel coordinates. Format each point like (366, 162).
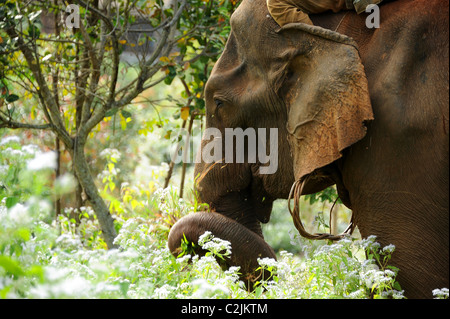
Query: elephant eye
(218, 102)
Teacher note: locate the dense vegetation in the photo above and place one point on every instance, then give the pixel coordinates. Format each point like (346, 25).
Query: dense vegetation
(99, 229)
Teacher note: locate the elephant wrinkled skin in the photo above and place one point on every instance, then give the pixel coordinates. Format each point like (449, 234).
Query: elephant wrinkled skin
(387, 152)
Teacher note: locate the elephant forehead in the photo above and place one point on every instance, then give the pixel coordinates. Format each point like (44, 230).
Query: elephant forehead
(252, 26)
(249, 13)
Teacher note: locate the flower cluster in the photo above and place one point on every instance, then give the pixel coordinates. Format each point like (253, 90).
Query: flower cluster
(440, 293)
(339, 270)
(215, 245)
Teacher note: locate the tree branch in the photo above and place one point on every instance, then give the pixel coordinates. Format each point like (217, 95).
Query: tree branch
(150, 68)
(7, 123)
(46, 96)
(95, 75)
(100, 14)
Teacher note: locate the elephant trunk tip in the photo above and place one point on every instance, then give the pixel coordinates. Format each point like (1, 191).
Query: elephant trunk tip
(246, 246)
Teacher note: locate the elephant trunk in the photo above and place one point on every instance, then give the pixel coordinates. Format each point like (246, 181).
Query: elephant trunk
(246, 245)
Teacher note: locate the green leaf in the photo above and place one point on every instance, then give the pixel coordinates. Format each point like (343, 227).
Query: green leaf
(11, 201)
(23, 233)
(124, 286)
(34, 31)
(199, 104)
(125, 114)
(393, 268)
(12, 98)
(4, 292)
(111, 112)
(310, 279)
(397, 286)
(37, 271)
(258, 291)
(11, 266)
(168, 80)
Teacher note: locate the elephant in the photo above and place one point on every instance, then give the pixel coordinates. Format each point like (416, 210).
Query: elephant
(365, 109)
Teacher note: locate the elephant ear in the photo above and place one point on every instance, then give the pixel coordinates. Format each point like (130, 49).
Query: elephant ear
(326, 93)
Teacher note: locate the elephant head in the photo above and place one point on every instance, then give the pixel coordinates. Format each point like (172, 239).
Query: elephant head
(306, 82)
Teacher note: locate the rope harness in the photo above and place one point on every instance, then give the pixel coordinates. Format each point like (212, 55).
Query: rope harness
(295, 193)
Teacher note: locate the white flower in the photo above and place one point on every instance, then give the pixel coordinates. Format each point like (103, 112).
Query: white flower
(183, 259)
(215, 245)
(12, 153)
(389, 273)
(4, 169)
(65, 184)
(164, 291)
(286, 254)
(77, 287)
(9, 139)
(440, 293)
(358, 294)
(164, 166)
(31, 149)
(268, 262)
(110, 153)
(204, 289)
(207, 236)
(20, 214)
(42, 161)
(389, 249)
(69, 241)
(233, 273)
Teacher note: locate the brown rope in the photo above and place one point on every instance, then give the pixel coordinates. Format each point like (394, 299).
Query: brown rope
(295, 193)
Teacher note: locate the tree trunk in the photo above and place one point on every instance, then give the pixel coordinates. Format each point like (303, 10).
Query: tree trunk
(172, 164)
(183, 170)
(57, 174)
(87, 182)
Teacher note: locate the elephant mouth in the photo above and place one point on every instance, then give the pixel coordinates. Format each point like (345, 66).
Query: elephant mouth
(246, 208)
(243, 199)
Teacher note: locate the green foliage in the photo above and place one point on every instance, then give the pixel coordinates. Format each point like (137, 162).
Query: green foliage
(327, 195)
(24, 171)
(198, 51)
